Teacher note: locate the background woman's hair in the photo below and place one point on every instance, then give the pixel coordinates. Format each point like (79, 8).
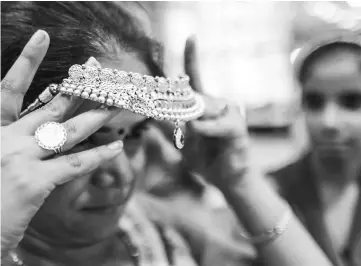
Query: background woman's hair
(326, 51)
(77, 31)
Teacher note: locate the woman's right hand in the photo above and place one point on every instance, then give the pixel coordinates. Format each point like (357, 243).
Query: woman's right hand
(28, 172)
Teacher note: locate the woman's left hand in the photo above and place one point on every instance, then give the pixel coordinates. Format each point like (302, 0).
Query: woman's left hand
(216, 144)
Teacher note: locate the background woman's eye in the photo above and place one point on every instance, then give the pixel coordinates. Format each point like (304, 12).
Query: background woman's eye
(350, 101)
(313, 101)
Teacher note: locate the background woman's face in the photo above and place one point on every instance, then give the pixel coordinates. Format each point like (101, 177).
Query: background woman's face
(88, 207)
(332, 104)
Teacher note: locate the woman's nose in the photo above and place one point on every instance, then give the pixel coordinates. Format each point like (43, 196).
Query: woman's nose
(330, 121)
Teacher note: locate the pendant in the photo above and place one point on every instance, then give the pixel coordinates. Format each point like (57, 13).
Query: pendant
(178, 137)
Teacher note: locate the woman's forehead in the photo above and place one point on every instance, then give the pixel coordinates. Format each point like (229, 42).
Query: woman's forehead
(346, 65)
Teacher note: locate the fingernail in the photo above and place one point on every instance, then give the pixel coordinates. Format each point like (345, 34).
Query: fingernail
(117, 145)
(38, 37)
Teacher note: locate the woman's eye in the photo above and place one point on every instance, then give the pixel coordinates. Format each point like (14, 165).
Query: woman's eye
(313, 101)
(350, 101)
(137, 132)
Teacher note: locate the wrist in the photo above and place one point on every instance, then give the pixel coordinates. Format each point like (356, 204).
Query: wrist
(238, 183)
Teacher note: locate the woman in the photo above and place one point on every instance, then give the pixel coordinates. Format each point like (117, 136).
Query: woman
(323, 186)
(65, 209)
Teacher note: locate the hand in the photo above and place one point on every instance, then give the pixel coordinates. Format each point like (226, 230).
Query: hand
(216, 144)
(29, 173)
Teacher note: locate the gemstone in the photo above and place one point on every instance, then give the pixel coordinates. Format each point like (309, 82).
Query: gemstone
(162, 84)
(178, 138)
(107, 74)
(51, 135)
(122, 77)
(137, 79)
(91, 73)
(150, 83)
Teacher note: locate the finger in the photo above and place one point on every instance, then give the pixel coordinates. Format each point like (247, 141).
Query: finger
(57, 110)
(79, 128)
(231, 124)
(67, 167)
(191, 64)
(213, 107)
(18, 79)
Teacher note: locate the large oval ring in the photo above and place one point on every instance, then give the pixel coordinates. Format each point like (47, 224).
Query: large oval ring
(51, 136)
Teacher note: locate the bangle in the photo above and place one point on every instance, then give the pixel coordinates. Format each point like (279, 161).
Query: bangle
(273, 233)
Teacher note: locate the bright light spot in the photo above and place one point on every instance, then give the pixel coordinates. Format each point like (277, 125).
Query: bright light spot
(354, 3)
(294, 54)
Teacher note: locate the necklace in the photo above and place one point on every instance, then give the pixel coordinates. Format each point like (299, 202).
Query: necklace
(131, 248)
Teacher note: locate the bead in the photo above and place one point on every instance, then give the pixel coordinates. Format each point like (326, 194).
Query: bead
(85, 95)
(93, 96)
(103, 93)
(77, 93)
(101, 99)
(110, 102)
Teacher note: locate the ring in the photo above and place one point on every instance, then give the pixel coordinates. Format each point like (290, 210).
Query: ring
(51, 136)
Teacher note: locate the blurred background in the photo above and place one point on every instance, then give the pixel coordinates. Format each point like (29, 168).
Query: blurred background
(245, 52)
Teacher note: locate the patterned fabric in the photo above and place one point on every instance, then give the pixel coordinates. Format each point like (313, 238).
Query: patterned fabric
(158, 246)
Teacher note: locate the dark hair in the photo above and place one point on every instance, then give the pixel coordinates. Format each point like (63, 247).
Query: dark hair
(324, 52)
(77, 31)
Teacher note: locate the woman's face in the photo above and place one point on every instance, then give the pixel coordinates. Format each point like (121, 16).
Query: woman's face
(332, 104)
(88, 208)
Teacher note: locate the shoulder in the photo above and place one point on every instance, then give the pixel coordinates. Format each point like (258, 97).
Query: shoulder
(288, 176)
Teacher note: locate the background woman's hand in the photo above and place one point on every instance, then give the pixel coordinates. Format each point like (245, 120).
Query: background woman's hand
(28, 172)
(216, 144)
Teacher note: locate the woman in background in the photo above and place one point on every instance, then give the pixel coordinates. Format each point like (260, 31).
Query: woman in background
(323, 186)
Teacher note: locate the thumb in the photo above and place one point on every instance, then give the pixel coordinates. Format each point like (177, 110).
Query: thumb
(191, 64)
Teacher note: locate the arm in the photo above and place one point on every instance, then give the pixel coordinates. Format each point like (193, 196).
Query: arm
(259, 208)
